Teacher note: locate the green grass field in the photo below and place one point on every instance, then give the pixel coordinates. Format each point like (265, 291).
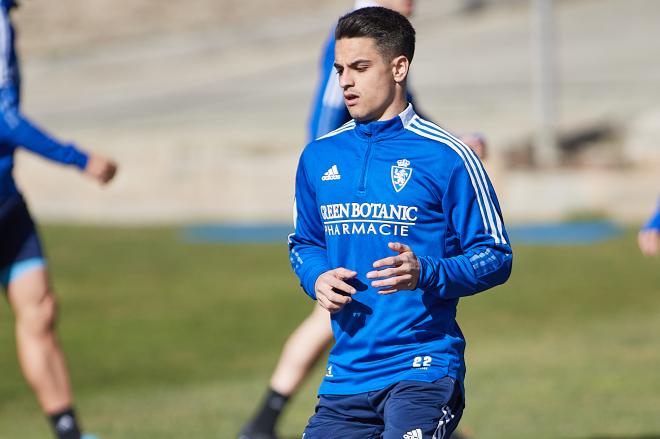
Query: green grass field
(169, 340)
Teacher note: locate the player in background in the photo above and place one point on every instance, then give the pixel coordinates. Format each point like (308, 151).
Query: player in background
(395, 220)
(649, 236)
(313, 336)
(23, 271)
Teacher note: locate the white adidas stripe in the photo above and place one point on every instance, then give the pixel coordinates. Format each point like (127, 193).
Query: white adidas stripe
(446, 418)
(5, 47)
(346, 127)
(477, 168)
(490, 216)
(475, 163)
(478, 186)
(474, 184)
(474, 167)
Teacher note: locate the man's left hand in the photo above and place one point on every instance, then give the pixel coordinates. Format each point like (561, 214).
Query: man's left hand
(402, 272)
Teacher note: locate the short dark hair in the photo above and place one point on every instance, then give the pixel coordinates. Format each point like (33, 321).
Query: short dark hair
(393, 33)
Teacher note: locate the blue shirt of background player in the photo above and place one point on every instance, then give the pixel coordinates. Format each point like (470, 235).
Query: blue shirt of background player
(16, 130)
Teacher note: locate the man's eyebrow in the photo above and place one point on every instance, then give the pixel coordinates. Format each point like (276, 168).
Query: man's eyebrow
(359, 61)
(354, 63)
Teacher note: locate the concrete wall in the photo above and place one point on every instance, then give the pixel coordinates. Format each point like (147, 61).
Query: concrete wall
(207, 116)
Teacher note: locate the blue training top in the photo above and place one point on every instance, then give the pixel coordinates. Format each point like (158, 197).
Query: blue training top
(15, 129)
(407, 180)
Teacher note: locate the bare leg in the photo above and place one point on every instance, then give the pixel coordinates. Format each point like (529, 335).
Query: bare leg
(301, 351)
(39, 352)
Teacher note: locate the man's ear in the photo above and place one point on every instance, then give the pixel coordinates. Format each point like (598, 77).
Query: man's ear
(400, 66)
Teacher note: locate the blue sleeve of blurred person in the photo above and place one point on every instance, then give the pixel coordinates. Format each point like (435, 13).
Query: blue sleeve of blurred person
(15, 128)
(328, 109)
(654, 222)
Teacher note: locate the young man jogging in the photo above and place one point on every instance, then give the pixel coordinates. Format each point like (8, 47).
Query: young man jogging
(395, 220)
(313, 336)
(23, 272)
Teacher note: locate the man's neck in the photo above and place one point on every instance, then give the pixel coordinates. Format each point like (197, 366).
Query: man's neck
(394, 110)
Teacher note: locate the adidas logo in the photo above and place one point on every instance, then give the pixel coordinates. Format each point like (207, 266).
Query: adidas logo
(331, 174)
(415, 434)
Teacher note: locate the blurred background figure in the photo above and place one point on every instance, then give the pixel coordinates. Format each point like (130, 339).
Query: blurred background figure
(162, 88)
(477, 142)
(649, 236)
(23, 271)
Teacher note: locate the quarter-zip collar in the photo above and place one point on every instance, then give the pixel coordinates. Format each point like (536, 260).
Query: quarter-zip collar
(384, 129)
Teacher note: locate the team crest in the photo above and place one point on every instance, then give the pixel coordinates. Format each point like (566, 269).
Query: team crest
(401, 174)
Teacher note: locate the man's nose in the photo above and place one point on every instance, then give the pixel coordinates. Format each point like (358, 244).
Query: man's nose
(346, 80)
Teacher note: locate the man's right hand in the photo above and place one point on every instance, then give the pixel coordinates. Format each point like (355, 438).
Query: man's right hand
(332, 293)
(100, 168)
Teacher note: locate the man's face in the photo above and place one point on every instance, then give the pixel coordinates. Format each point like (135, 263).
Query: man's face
(403, 7)
(366, 78)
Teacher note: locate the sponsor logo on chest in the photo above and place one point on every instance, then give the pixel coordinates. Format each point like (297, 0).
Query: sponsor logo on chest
(368, 219)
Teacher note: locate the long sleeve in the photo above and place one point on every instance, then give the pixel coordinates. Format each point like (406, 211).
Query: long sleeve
(473, 214)
(18, 130)
(15, 128)
(307, 248)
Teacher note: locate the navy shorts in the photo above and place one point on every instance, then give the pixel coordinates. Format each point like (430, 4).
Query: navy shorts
(404, 410)
(20, 249)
